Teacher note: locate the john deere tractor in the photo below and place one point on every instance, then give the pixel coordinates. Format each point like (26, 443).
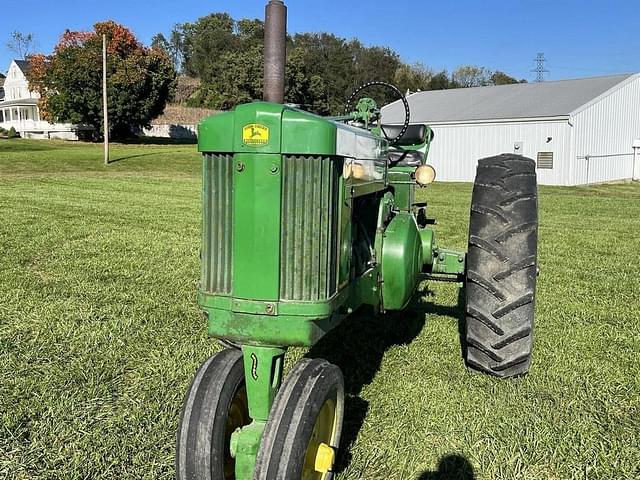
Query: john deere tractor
(305, 220)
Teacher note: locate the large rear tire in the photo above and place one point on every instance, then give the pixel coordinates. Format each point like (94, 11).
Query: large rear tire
(502, 266)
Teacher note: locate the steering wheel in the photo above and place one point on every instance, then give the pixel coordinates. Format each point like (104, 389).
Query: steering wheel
(394, 89)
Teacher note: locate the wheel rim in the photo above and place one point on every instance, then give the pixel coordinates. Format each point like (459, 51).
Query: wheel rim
(320, 454)
(237, 417)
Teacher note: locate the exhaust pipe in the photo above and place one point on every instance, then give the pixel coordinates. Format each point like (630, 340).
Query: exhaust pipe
(275, 50)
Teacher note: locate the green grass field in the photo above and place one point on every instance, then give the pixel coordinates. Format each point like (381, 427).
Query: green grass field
(100, 333)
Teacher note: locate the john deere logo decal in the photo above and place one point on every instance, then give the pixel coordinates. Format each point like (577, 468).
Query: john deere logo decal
(255, 135)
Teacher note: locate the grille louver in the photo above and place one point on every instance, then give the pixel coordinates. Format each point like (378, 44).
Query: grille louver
(217, 247)
(308, 248)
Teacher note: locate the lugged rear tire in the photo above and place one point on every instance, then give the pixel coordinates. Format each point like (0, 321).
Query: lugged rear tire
(502, 266)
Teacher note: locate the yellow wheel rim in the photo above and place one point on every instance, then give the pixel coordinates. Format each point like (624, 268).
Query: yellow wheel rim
(237, 417)
(320, 454)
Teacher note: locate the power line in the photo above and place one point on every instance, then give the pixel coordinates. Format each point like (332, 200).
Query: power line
(540, 70)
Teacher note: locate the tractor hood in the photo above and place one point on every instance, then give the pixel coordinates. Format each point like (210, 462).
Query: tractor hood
(264, 127)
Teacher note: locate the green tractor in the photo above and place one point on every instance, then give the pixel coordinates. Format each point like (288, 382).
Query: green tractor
(305, 220)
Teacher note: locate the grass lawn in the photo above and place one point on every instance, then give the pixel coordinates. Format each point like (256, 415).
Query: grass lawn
(100, 333)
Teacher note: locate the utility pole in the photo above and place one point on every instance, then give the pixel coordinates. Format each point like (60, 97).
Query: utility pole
(104, 100)
(540, 70)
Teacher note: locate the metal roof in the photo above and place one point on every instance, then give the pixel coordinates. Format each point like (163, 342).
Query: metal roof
(521, 100)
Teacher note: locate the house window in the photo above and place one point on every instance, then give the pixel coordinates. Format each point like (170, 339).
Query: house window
(545, 160)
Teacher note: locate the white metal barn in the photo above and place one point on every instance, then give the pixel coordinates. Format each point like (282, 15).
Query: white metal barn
(578, 131)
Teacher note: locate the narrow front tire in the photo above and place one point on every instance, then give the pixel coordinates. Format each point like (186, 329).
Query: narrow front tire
(214, 407)
(303, 431)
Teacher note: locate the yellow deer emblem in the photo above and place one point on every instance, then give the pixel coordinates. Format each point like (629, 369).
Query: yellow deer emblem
(255, 135)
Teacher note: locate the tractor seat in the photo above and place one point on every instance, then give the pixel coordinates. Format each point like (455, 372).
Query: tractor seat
(415, 135)
(405, 158)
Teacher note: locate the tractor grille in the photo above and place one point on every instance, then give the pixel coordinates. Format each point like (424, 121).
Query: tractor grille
(309, 236)
(217, 247)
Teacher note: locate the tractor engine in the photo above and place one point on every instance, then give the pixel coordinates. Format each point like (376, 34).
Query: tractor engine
(294, 208)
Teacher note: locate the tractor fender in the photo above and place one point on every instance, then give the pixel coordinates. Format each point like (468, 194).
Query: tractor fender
(401, 261)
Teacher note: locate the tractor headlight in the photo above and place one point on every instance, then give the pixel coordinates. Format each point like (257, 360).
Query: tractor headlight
(425, 175)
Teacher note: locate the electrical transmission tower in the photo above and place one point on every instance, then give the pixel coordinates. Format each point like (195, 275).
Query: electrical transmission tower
(540, 70)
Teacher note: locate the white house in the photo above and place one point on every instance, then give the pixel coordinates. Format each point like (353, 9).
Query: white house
(579, 131)
(2, 77)
(19, 108)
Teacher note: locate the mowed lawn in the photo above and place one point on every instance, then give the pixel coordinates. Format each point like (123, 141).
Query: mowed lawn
(100, 333)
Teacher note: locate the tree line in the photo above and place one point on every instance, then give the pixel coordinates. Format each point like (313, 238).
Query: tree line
(322, 68)
(219, 64)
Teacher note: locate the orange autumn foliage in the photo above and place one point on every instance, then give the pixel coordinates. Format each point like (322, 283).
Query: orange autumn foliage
(69, 81)
(120, 40)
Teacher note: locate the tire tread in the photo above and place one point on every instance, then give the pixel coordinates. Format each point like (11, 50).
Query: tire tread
(500, 285)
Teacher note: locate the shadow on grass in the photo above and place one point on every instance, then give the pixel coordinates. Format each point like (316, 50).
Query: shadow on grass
(451, 467)
(462, 321)
(158, 141)
(358, 345)
(130, 157)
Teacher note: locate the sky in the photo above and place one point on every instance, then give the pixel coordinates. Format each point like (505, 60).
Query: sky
(579, 38)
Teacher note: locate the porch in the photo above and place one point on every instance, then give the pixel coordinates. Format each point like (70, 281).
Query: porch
(24, 116)
(17, 111)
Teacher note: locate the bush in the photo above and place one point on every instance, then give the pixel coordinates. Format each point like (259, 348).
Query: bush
(12, 133)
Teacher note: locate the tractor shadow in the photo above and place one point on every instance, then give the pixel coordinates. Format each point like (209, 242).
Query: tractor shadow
(451, 467)
(358, 345)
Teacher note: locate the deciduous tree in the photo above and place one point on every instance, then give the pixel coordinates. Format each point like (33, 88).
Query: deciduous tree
(140, 80)
(304, 88)
(442, 81)
(471, 76)
(21, 44)
(204, 43)
(501, 78)
(413, 78)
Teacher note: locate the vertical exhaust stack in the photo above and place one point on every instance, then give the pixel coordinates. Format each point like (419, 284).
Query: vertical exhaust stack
(275, 50)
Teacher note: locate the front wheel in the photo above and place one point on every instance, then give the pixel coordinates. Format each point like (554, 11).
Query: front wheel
(214, 407)
(304, 426)
(502, 266)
